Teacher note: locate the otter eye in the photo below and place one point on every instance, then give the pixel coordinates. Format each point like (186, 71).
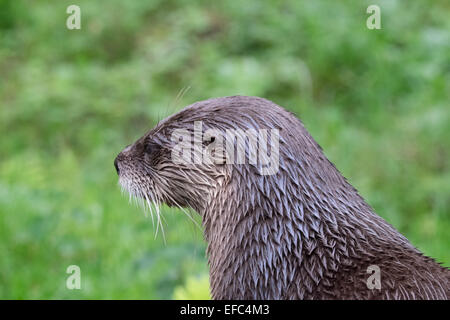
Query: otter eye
(151, 148)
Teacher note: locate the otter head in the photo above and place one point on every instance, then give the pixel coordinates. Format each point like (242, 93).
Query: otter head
(183, 162)
(160, 167)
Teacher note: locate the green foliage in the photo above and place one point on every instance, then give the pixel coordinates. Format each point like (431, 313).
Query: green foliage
(377, 101)
(196, 288)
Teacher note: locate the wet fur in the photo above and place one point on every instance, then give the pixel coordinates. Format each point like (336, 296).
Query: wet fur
(303, 233)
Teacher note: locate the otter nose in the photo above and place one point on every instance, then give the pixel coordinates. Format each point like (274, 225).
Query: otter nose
(116, 165)
(121, 159)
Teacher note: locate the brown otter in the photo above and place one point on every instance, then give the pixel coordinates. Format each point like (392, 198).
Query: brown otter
(301, 233)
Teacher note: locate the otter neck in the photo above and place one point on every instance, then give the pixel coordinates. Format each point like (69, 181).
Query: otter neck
(265, 239)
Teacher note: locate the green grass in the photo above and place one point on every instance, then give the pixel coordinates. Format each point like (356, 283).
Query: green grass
(377, 101)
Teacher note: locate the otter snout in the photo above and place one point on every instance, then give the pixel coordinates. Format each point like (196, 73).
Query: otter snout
(121, 157)
(116, 164)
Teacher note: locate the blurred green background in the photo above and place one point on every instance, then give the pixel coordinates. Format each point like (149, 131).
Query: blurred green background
(377, 101)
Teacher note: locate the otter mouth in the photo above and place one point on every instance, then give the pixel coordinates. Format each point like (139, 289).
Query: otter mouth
(146, 199)
(147, 196)
(150, 199)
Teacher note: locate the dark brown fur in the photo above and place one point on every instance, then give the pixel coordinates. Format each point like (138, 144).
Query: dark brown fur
(303, 233)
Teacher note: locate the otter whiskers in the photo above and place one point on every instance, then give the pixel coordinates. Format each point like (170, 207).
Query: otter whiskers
(147, 201)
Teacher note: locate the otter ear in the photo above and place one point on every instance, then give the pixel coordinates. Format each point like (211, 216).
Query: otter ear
(208, 141)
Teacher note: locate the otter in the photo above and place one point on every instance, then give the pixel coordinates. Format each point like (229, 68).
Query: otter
(302, 232)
